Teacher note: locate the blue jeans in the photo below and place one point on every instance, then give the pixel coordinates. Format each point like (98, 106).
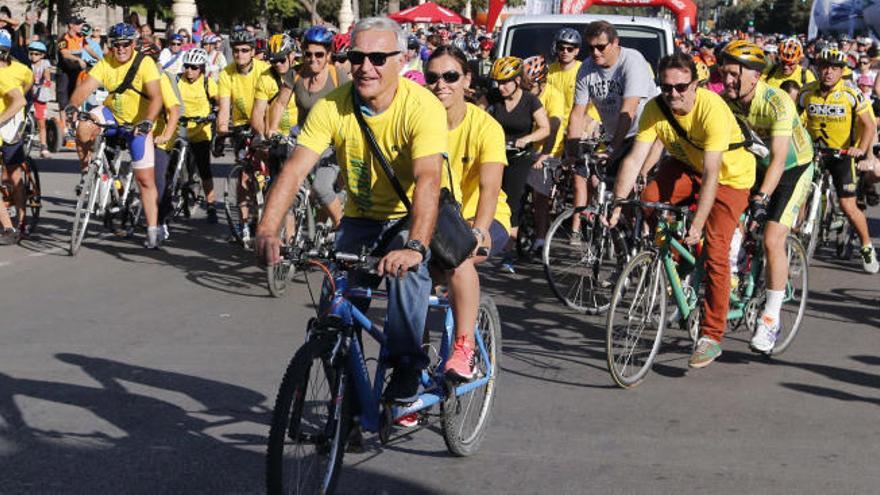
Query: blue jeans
(407, 296)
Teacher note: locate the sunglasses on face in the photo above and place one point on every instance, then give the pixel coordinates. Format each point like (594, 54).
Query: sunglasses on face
(35, 53)
(449, 77)
(176, 43)
(864, 62)
(598, 47)
(316, 55)
(282, 60)
(679, 88)
(241, 50)
(566, 48)
(339, 58)
(192, 67)
(122, 44)
(378, 59)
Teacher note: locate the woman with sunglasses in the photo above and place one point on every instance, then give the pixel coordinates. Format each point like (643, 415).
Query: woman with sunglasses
(525, 123)
(280, 55)
(477, 160)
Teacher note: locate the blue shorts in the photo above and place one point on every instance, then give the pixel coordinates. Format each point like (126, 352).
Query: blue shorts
(140, 146)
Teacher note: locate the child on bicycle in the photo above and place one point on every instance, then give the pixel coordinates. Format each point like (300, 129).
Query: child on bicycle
(41, 92)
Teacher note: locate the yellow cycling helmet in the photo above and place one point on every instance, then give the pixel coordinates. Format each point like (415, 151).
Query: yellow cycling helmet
(746, 54)
(279, 47)
(702, 72)
(832, 56)
(506, 68)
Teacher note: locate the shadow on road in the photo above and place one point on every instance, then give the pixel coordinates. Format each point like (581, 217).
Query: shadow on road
(161, 448)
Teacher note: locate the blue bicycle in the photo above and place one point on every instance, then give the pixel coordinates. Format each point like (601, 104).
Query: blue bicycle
(326, 397)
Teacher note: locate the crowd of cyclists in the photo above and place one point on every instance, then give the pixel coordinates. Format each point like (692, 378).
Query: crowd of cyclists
(731, 122)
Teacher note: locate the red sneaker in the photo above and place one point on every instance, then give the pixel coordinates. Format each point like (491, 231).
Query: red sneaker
(460, 365)
(408, 420)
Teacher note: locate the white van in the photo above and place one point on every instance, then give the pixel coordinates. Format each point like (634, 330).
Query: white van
(524, 36)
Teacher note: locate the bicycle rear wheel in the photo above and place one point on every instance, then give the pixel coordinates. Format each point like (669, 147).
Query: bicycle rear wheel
(465, 417)
(796, 295)
(636, 320)
(526, 234)
(33, 193)
(85, 202)
(580, 266)
(308, 434)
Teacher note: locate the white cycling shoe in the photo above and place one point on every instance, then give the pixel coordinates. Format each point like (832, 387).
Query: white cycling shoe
(765, 335)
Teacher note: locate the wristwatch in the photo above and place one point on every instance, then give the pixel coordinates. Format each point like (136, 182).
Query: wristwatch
(765, 198)
(416, 245)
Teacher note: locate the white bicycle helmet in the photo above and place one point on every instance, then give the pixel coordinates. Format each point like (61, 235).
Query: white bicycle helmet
(195, 56)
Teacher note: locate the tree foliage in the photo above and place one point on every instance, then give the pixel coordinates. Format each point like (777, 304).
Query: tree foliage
(768, 16)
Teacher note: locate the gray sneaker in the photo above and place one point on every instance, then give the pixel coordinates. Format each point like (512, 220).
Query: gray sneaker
(154, 235)
(707, 351)
(8, 237)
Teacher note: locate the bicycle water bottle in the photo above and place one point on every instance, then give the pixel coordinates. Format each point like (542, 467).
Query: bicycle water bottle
(733, 257)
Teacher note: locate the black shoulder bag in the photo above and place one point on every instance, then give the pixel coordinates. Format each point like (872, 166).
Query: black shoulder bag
(125, 85)
(748, 136)
(453, 241)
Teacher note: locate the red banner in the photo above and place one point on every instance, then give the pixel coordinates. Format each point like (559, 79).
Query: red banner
(685, 10)
(495, 7)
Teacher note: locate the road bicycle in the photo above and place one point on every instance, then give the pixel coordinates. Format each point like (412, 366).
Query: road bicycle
(183, 190)
(108, 189)
(581, 266)
(326, 397)
(637, 318)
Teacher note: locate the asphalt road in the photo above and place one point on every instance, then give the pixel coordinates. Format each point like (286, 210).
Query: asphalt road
(132, 371)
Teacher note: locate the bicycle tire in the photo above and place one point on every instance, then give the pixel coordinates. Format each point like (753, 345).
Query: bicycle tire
(797, 295)
(300, 420)
(53, 137)
(230, 202)
(641, 279)
(526, 234)
(574, 272)
(84, 204)
(462, 436)
(279, 276)
(33, 193)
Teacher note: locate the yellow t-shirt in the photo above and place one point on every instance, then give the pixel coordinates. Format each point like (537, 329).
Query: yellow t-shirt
(478, 139)
(197, 104)
(20, 74)
(564, 81)
(414, 126)
(129, 107)
(7, 85)
(240, 89)
(711, 126)
(554, 103)
(267, 89)
(831, 120)
(169, 100)
(774, 76)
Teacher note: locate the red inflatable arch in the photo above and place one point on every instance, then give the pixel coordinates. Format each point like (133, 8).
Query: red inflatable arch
(685, 10)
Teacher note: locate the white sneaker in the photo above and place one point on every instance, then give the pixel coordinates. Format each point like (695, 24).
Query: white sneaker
(869, 259)
(164, 234)
(765, 335)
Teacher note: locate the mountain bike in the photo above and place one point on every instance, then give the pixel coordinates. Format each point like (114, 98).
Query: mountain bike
(183, 190)
(326, 396)
(637, 318)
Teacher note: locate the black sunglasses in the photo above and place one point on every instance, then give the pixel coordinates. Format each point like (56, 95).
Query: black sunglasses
(314, 54)
(565, 48)
(680, 88)
(191, 66)
(121, 44)
(449, 77)
(378, 59)
(339, 57)
(601, 48)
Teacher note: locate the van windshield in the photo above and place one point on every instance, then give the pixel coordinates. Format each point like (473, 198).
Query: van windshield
(534, 39)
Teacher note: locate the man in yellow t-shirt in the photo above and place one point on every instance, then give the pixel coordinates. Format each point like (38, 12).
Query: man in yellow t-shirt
(16, 82)
(198, 92)
(403, 116)
(238, 82)
(137, 105)
(706, 156)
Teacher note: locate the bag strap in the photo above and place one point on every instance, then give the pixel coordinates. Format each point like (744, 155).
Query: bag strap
(743, 127)
(125, 85)
(374, 147)
(171, 61)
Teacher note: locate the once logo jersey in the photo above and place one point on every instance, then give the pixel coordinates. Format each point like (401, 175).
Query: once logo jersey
(831, 119)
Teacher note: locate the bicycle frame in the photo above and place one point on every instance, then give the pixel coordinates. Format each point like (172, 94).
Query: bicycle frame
(369, 394)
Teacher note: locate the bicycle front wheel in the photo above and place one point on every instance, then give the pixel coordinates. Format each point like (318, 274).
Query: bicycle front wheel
(636, 320)
(85, 202)
(465, 417)
(580, 266)
(33, 193)
(310, 423)
(796, 295)
(231, 203)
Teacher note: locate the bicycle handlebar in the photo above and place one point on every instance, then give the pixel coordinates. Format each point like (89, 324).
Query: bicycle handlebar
(655, 205)
(351, 261)
(182, 121)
